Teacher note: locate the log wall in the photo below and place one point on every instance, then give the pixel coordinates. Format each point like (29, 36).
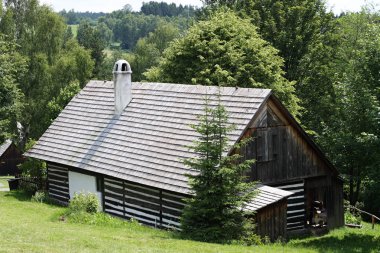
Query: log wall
(58, 183)
(150, 206)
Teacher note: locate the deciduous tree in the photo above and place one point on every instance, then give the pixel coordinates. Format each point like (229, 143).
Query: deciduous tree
(12, 69)
(225, 50)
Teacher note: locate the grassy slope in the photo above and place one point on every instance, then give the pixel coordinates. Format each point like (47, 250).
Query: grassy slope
(34, 227)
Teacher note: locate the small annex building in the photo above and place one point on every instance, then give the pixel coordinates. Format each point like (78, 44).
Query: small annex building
(10, 157)
(126, 142)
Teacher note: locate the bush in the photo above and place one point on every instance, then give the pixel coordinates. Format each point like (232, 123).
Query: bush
(351, 218)
(84, 202)
(28, 187)
(41, 197)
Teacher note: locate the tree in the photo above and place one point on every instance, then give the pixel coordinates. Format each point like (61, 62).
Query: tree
(304, 32)
(215, 212)
(91, 38)
(57, 104)
(290, 26)
(148, 50)
(351, 139)
(12, 69)
(225, 50)
(73, 65)
(39, 31)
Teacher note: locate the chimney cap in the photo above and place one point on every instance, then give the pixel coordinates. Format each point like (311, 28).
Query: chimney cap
(122, 66)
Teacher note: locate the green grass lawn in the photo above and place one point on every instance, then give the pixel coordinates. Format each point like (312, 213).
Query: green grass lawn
(33, 227)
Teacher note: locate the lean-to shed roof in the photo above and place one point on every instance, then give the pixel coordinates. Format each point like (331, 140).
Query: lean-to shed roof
(266, 196)
(149, 140)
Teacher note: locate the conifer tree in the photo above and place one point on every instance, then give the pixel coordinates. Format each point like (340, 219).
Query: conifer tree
(215, 212)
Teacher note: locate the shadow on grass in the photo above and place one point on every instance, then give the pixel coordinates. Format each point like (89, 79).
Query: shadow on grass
(19, 195)
(349, 243)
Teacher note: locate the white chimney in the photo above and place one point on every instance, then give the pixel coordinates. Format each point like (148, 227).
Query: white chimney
(123, 85)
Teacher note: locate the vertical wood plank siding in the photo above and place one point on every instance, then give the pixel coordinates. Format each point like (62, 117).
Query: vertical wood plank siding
(150, 206)
(282, 155)
(271, 221)
(58, 183)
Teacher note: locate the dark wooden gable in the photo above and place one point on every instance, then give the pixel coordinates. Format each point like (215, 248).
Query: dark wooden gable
(9, 160)
(288, 159)
(282, 150)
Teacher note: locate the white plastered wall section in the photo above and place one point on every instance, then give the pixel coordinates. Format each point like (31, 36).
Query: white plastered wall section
(79, 182)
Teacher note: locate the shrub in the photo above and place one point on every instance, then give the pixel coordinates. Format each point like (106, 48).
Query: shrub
(351, 218)
(28, 187)
(84, 202)
(41, 197)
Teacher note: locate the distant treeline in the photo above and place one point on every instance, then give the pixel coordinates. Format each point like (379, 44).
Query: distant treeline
(167, 10)
(161, 9)
(72, 17)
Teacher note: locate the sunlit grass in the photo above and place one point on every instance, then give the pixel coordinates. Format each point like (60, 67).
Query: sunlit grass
(35, 227)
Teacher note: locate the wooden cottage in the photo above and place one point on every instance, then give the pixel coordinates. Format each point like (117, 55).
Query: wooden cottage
(10, 157)
(126, 142)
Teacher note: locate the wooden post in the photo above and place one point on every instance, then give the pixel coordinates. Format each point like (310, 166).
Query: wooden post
(373, 222)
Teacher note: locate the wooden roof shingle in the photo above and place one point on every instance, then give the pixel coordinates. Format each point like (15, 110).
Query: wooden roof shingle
(147, 143)
(266, 196)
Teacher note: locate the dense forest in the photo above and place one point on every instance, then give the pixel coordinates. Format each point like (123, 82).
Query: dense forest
(325, 68)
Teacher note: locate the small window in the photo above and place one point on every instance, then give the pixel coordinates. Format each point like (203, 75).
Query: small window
(262, 146)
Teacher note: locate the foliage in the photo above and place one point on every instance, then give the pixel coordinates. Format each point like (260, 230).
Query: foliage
(58, 103)
(84, 202)
(127, 28)
(148, 50)
(371, 197)
(94, 39)
(350, 218)
(58, 81)
(33, 167)
(225, 50)
(41, 197)
(215, 212)
(41, 34)
(165, 9)
(72, 17)
(73, 64)
(351, 139)
(290, 26)
(12, 69)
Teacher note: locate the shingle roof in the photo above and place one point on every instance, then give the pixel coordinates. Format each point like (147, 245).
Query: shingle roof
(5, 146)
(266, 195)
(149, 140)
